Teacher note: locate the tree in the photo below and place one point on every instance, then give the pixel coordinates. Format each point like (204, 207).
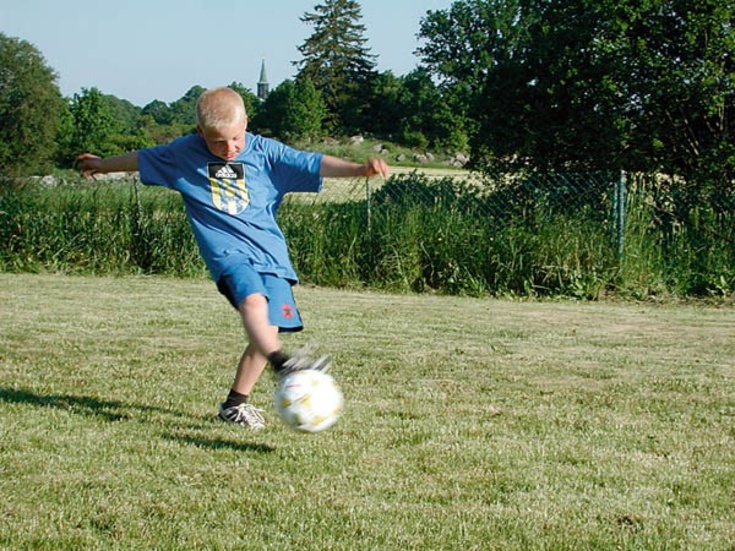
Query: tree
(124, 112)
(158, 110)
(161, 122)
(293, 111)
(593, 83)
(462, 45)
(550, 103)
(385, 94)
(65, 154)
(305, 112)
(30, 107)
(679, 74)
(425, 113)
(272, 113)
(183, 110)
(95, 126)
(337, 62)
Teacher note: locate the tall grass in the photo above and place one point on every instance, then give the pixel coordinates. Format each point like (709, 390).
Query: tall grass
(680, 255)
(443, 236)
(96, 229)
(419, 236)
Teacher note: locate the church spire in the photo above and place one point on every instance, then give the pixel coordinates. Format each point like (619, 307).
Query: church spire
(263, 82)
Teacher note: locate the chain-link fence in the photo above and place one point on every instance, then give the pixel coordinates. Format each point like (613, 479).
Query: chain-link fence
(503, 198)
(500, 198)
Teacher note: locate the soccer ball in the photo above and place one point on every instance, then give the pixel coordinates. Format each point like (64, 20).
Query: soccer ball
(309, 400)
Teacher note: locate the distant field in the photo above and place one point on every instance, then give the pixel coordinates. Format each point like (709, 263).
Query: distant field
(433, 172)
(470, 424)
(341, 189)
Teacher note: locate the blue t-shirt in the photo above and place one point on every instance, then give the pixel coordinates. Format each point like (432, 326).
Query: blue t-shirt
(232, 205)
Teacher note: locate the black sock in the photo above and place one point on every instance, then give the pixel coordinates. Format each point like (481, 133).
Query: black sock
(235, 399)
(278, 358)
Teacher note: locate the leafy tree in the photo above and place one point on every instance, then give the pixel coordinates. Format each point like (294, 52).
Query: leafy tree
(593, 83)
(95, 126)
(679, 74)
(306, 112)
(180, 116)
(124, 112)
(461, 45)
(424, 112)
(183, 110)
(550, 104)
(272, 113)
(30, 108)
(337, 61)
(65, 152)
(413, 110)
(160, 122)
(159, 111)
(155, 133)
(100, 123)
(293, 111)
(385, 93)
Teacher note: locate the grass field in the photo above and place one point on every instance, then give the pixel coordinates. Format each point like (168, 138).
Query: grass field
(470, 424)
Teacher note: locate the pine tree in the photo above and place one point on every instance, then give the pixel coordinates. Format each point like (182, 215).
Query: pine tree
(337, 61)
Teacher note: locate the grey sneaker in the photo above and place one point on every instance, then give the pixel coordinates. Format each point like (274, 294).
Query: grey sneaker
(300, 361)
(245, 415)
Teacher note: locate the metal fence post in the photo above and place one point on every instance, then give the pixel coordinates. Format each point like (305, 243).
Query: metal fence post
(620, 196)
(367, 200)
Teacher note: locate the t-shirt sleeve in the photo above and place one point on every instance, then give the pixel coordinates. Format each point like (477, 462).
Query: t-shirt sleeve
(298, 171)
(157, 166)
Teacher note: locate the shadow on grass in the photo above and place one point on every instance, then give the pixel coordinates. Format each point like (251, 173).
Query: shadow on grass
(219, 443)
(113, 411)
(110, 410)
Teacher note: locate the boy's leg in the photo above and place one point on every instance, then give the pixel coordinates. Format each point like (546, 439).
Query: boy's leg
(263, 339)
(266, 305)
(246, 292)
(236, 408)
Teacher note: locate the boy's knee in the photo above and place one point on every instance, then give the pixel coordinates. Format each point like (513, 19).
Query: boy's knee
(253, 301)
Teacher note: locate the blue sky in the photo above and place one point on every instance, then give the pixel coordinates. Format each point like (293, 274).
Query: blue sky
(141, 50)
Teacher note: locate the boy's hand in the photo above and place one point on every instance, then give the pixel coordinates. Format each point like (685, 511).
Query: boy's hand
(377, 167)
(87, 164)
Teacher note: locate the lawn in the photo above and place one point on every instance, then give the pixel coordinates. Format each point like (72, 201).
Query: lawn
(469, 423)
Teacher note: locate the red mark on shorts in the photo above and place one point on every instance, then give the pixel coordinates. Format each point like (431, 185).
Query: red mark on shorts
(287, 311)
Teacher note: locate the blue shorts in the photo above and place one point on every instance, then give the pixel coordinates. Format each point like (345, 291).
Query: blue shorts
(242, 281)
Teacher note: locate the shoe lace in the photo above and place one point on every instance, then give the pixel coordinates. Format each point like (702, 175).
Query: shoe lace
(251, 415)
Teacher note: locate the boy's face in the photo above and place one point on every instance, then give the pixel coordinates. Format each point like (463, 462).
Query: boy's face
(225, 143)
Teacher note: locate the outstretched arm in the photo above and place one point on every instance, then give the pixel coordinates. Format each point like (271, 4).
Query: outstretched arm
(90, 165)
(333, 167)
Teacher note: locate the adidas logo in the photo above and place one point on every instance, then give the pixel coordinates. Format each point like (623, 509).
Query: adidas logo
(225, 172)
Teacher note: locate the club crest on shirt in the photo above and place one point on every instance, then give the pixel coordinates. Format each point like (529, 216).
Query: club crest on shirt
(227, 184)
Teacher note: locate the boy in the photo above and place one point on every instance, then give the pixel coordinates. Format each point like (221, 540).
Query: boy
(232, 183)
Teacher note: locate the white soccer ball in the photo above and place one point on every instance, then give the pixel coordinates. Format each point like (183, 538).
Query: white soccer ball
(309, 400)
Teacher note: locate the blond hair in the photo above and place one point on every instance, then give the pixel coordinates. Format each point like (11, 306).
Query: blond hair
(220, 107)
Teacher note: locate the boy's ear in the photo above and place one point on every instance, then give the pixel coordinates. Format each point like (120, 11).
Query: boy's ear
(199, 131)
